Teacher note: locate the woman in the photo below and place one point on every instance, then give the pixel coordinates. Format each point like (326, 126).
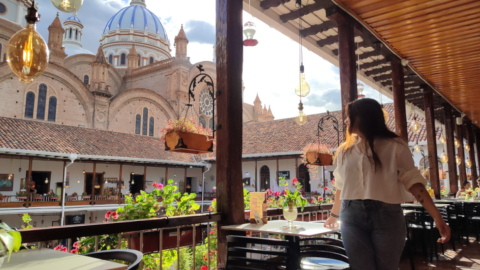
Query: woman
(465, 185)
(375, 174)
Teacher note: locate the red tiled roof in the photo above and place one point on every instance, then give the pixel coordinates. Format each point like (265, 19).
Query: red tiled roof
(45, 137)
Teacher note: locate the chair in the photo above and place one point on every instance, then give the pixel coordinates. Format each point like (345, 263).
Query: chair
(472, 213)
(323, 253)
(248, 253)
(133, 257)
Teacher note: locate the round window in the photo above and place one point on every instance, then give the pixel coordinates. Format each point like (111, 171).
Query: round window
(3, 8)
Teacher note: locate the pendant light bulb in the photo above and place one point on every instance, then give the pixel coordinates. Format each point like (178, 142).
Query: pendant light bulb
(457, 143)
(444, 158)
(133, 182)
(249, 31)
(27, 51)
(458, 160)
(46, 180)
(68, 6)
(468, 163)
(303, 89)
(417, 148)
(360, 87)
(467, 147)
(416, 127)
(442, 139)
(83, 171)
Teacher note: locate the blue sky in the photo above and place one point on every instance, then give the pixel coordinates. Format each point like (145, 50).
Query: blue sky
(270, 68)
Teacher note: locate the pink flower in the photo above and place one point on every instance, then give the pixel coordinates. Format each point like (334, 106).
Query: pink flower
(74, 251)
(204, 267)
(214, 200)
(107, 215)
(114, 215)
(160, 186)
(325, 188)
(76, 244)
(285, 192)
(61, 248)
(276, 194)
(294, 181)
(212, 232)
(333, 182)
(269, 192)
(320, 198)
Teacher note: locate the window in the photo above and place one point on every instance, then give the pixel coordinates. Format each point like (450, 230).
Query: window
(202, 121)
(151, 60)
(145, 121)
(3, 9)
(110, 59)
(70, 35)
(76, 34)
(52, 109)
(86, 80)
(42, 100)
(152, 126)
(138, 120)
(122, 59)
(139, 60)
(29, 104)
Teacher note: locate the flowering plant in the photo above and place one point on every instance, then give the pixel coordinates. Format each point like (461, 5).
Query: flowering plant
(292, 199)
(315, 147)
(443, 191)
(184, 125)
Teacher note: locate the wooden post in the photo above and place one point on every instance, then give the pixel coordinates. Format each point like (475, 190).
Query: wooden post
(477, 139)
(398, 83)
(93, 181)
(144, 177)
(471, 153)
(229, 51)
(63, 183)
(185, 181)
(346, 56)
(449, 137)
(120, 185)
(278, 181)
(296, 167)
(256, 182)
(461, 151)
(27, 181)
(432, 142)
(166, 175)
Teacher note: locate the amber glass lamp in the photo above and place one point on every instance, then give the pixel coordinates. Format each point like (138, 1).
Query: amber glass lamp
(416, 127)
(301, 119)
(467, 147)
(444, 158)
(458, 160)
(69, 6)
(27, 52)
(457, 143)
(442, 139)
(468, 163)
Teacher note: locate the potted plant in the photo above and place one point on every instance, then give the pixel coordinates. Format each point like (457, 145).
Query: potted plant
(103, 196)
(187, 136)
(52, 196)
(317, 154)
(112, 195)
(37, 197)
(291, 200)
(1, 197)
(85, 196)
(73, 197)
(21, 196)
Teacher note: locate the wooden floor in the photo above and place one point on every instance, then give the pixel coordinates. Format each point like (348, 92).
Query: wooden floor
(466, 257)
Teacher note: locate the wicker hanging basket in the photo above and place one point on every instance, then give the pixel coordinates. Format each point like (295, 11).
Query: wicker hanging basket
(319, 159)
(190, 143)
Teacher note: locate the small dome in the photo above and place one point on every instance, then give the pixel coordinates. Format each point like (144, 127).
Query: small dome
(71, 50)
(74, 18)
(138, 16)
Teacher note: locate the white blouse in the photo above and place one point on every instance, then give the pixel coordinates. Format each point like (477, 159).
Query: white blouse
(357, 179)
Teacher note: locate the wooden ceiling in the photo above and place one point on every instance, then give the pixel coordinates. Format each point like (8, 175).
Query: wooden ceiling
(439, 38)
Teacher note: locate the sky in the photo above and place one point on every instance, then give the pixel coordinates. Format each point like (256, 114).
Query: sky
(270, 69)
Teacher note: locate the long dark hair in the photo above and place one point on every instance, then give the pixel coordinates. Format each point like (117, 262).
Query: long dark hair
(371, 123)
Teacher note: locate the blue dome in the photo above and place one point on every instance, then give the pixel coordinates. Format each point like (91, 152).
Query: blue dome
(140, 17)
(74, 18)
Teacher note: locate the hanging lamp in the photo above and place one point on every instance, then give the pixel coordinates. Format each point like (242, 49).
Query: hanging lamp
(458, 160)
(303, 89)
(468, 163)
(416, 127)
(27, 51)
(417, 147)
(444, 158)
(467, 147)
(456, 142)
(249, 31)
(68, 6)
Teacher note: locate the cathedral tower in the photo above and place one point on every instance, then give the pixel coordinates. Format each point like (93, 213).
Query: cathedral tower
(55, 42)
(257, 106)
(133, 58)
(181, 43)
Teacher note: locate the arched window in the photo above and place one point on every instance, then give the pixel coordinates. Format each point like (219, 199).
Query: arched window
(151, 60)
(76, 34)
(152, 126)
(110, 59)
(138, 120)
(86, 80)
(42, 100)
(122, 59)
(29, 104)
(145, 121)
(202, 121)
(52, 109)
(264, 178)
(70, 36)
(139, 60)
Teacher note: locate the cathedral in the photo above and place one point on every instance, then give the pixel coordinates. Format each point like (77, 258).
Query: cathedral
(133, 84)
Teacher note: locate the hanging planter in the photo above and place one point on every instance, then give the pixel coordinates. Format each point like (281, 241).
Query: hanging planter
(317, 154)
(186, 135)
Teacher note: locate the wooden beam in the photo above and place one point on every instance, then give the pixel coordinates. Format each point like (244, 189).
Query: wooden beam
(346, 58)
(378, 70)
(366, 55)
(449, 137)
(166, 175)
(63, 183)
(471, 153)
(256, 181)
(296, 168)
(335, 52)
(461, 153)
(93, 182)
(266, 4)
(477, 140)
(185, 181)
(229, 52)
(432, 143)
(375, 63)
(383, 77)
(319, 4)
(330, 40)
(29, 180)
(319, 28)
(398, 90)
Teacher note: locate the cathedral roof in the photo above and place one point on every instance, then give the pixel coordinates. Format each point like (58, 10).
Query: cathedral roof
(74, 18)
(137, 16)
(100, 57)
(257, 99)
(181, 35)
(133, 51)
(56, 23)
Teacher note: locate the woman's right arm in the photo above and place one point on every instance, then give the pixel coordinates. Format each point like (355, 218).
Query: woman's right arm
(332, 222)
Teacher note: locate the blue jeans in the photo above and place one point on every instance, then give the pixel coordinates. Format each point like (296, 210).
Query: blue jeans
(373, 234)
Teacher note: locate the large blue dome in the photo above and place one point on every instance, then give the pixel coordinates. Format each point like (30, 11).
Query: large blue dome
(140, 17)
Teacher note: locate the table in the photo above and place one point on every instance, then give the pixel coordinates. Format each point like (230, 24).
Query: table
(48, 259)
(301, 229)
(406, 212)
(417, 205)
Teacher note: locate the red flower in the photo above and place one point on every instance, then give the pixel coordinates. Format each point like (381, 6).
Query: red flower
(107, 215)
(212, 232)
(61, 248)
(114, 215)
(320, 198)
(285, 192)
(294, 181)
(74, 251)
(76, 244)
(154, 185)
(205, 257)
(269, 192)
(277, 193)
(326, 188)
(204, 267)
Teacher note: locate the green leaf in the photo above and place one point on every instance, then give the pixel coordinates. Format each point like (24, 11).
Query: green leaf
(17, 240)
(8, 241)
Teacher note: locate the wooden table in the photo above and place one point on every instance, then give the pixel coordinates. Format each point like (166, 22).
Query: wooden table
(301, 229)
(48, 259)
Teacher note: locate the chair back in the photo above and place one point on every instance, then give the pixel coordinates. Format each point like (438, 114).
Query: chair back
(256, 253)
(133, 257)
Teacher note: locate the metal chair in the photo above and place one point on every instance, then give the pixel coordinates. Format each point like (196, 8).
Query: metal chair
(133, 257)
(323, 253)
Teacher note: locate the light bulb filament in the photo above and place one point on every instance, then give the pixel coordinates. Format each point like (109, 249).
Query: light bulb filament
(28, 54)
(66, 3)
